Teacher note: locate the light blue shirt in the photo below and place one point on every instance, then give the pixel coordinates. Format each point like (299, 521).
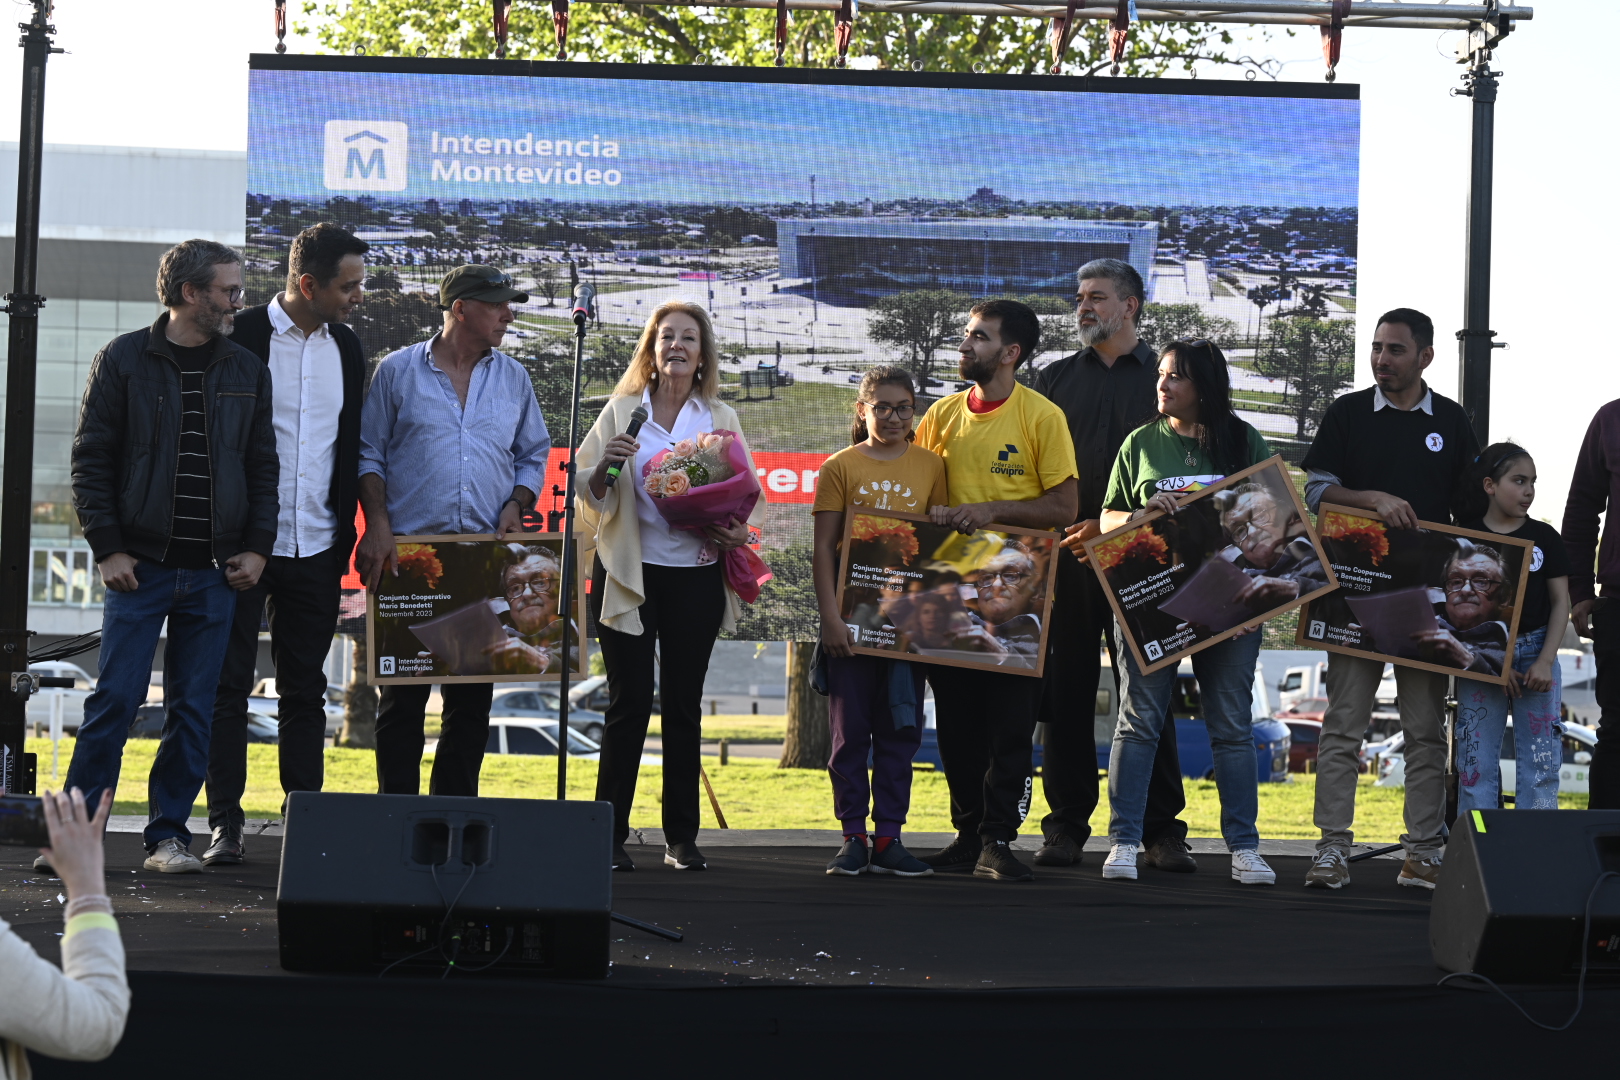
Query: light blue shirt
(448, 469)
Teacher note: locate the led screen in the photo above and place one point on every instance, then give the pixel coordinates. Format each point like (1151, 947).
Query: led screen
(827, 221)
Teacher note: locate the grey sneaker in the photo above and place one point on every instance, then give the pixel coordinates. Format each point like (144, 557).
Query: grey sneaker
(171, 857)
(1420, 873)
(1329, 870)
(895, 859)
(852, 859)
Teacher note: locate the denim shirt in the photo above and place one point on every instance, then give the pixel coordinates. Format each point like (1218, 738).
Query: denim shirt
(449, 469)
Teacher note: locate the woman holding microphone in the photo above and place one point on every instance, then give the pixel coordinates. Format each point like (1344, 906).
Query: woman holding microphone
(657, 592)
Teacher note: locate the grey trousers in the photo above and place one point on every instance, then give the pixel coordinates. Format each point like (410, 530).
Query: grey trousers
(1352, 687)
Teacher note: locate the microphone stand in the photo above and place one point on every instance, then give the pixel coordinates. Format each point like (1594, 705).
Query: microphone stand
(570, 567)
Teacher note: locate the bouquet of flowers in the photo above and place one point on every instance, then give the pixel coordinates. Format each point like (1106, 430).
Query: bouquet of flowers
(707, 481)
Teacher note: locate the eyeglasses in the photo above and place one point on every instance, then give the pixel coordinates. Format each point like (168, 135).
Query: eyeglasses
(542, 587)
(1483, 586)
(1009, 578)
(883, 412)
(235, 294)
(1257, 520)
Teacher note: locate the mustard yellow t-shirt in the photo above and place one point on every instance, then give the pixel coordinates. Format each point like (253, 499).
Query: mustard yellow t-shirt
(1017, 452)
(910, 484)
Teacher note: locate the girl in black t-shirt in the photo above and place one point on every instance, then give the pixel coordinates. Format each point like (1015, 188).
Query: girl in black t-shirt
(1495, 496)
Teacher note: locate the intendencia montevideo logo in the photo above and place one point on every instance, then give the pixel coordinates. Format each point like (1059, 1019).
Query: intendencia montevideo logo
(367, 155)
(538, 161)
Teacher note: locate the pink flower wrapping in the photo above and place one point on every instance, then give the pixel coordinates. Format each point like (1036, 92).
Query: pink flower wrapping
(729, 500)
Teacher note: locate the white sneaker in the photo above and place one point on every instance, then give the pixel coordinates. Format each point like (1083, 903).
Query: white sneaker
(1249, 868)
(171, 857)
(1121, 862)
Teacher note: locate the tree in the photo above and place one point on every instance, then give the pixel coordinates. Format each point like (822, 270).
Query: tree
(359, 703)
(390, 319)
(917, 323)
(547, 281)
(610, 359)
(638, 33)
(808, 743)
(382, 279)
(1315, 358)
(1161, 324)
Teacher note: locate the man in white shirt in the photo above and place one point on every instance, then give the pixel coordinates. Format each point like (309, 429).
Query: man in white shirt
(317, 368)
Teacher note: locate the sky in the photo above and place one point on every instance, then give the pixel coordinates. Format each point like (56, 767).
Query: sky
(720, 141)
(1553, 174)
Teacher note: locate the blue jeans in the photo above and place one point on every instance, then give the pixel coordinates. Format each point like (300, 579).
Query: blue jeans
(1482, 712)
(199, 606)
(1226, 694)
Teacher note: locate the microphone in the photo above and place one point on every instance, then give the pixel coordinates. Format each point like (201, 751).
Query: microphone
(584, 303)
(637, 418)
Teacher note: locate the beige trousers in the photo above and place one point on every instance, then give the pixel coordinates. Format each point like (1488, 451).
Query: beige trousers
(1352, 688)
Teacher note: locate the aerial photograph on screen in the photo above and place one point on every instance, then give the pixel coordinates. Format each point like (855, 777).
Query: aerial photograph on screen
(826, 229)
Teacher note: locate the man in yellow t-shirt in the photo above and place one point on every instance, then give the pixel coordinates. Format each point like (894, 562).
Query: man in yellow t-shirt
(1009, 459)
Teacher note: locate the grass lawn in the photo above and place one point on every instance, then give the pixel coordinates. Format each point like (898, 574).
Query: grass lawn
(753, 792)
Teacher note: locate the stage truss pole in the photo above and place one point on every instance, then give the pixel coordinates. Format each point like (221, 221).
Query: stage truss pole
(22, 305)
(1475, 340)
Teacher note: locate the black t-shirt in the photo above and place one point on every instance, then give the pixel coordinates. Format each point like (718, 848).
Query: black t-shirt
(1548, 559)
(1103, 404)
(191, 540)
(1411, 455)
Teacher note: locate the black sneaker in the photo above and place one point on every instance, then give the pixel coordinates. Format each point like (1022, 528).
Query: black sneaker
(621, 859)
(996, 860)
(1059, 850)
(960, 854)
(895, 859)
(1171, 853)
(853, 858)
(684, 856)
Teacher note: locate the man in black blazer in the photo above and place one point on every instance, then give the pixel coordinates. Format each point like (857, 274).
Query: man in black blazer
(317, 372)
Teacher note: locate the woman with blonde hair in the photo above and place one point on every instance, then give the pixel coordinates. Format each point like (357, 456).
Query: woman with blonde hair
(655, 590)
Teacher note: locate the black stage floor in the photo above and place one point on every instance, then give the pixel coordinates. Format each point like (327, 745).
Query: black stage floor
(766, 930)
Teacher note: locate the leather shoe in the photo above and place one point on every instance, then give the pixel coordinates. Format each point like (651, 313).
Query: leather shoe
(227, 847)
(1059, 850)
(621, 858)
(1170, 853)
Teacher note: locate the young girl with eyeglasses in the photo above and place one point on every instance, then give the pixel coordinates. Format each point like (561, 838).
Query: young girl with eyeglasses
(875, 705)
(1495, 496)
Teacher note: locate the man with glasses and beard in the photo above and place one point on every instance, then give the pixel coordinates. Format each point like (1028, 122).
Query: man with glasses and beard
(174, 481)
(531, 584)
(1105, 390)
(317, 369)
(1008, 460)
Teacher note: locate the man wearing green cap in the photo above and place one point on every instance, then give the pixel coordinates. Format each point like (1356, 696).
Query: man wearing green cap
(451, 441)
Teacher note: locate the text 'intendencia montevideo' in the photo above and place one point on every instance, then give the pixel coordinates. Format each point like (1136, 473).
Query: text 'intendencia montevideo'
(553, 171)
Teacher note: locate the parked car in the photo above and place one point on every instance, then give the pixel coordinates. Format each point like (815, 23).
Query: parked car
(592, 694)
(1574, 775)
(1305, 709)
(148, 724)
(531, 704)
(1304, 737)
(509, 735)
(264, 698)
(69, 700)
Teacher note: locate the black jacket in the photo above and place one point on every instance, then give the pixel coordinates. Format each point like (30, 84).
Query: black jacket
(253, 332)
(127, 446)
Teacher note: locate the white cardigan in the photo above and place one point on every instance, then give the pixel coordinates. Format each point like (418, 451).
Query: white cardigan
(76, 1013)
(609, 528)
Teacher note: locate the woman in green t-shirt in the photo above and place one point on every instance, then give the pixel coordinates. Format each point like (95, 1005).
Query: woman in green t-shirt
(1193, 442)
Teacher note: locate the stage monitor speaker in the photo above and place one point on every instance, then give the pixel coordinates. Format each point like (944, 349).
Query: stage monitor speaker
(509, 886)
(1511, 902)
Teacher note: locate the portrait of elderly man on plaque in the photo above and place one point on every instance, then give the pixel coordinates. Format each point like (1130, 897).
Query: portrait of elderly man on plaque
(1434, 597)
(1236, 553)
(913, 590)
(472, 609)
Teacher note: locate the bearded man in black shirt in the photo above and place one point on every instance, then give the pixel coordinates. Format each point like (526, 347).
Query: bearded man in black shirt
(1397, 449)
(1105, 390)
